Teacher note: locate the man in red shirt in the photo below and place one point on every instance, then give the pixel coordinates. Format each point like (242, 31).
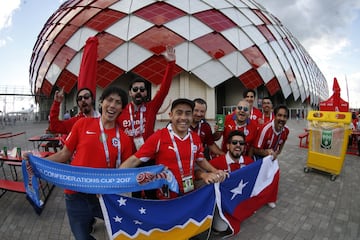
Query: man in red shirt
(200, 126)
(233, 160)
(271, 139)
(179, 149)
(239, 120)
(139, 116)
(267, 111)
(254, 113)
(86, 103)
(96, 143)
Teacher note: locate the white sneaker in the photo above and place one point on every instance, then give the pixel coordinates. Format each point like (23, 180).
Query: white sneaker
(272, 205)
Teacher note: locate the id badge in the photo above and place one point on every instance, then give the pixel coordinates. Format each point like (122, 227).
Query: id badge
(188, 184)
(138, 141)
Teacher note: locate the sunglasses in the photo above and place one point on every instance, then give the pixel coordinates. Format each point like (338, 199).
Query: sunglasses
(136, 89)
(235, 142)
(86, 97)
(243, 108)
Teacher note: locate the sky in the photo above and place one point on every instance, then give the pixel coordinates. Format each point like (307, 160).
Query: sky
(326, 28)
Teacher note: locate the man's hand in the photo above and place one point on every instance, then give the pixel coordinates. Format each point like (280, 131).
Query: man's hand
(59, 95)
(170, 54)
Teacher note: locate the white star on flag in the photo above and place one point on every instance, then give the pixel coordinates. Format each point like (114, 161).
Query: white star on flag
(142, 210)
(238, 189)
(137, 222)
(117, 219)
(122, 202)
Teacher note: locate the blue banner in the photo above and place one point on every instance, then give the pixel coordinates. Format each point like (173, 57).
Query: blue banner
(97, 180)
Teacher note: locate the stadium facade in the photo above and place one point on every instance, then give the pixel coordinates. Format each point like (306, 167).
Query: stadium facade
(222, 48)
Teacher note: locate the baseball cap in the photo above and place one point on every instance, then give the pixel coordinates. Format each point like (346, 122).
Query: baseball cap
(182, 101)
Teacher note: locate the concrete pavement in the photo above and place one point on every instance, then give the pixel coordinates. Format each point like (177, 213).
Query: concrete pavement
(309, 206)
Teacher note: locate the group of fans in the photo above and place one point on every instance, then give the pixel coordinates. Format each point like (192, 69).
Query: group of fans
(122, 135)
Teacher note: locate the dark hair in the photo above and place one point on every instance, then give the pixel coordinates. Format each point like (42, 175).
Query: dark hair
(113, 89)
(247, 91)
(91, 95)
(135, 80)
(281, 106)
(182, 101)
(268, 98)
(200, 101)
(235, 133)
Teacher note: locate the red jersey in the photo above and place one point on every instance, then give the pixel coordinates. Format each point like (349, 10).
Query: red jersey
(160, 147)
(268, 138)
(85, 141)
(203, 129)
(255, 114)
(249, 129)
(224, 162)
(266, 119)
(145, 116)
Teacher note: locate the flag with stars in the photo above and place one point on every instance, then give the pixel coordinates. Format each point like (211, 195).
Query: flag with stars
(247, 190)
(179, 218)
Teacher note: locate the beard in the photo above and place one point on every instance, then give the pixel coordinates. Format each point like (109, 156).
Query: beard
(139, 99)
(235, 155)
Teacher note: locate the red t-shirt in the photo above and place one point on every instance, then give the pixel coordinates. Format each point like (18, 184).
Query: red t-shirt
(249, 129)
(84, 140)
(148, 109)
(224, 162)
(255, 114)
(268, 138)
(160, 147)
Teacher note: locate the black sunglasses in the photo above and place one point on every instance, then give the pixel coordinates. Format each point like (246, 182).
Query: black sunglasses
(243, 108)
(235, 142)
(136, 89)
(86, 97)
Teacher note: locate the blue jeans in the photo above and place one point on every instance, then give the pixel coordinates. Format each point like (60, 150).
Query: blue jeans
(81, 209)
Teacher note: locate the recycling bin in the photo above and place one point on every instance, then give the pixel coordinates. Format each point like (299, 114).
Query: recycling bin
(328, 139)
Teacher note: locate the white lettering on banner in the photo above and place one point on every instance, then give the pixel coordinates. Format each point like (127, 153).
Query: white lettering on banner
(84, 179)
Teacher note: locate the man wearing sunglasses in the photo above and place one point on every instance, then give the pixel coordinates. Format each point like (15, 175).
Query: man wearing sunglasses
(86, 103)
(233, 160)
(138, 117)
(239, 120)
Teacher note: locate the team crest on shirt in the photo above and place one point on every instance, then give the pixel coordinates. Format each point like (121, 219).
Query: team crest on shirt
(253, 117)
(115, 141)
(142, 108)
(246, 132)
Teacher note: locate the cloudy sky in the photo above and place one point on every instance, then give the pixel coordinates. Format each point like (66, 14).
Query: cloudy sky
(328, 29)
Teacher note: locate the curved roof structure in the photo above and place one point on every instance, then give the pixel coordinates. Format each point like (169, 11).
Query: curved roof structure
(214, 39)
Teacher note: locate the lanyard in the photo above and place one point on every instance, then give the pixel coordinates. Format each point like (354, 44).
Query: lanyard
(199, 128)
(271, 116)
(133, 122)
(178, 154)
(106, 149)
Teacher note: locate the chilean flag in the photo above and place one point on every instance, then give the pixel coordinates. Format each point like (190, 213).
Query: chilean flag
(247, 190)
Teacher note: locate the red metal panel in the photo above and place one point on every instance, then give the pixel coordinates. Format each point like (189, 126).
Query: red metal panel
(159, 13)
(215, 45)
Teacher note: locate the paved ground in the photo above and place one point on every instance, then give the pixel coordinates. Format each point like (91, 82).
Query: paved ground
(309, 206)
